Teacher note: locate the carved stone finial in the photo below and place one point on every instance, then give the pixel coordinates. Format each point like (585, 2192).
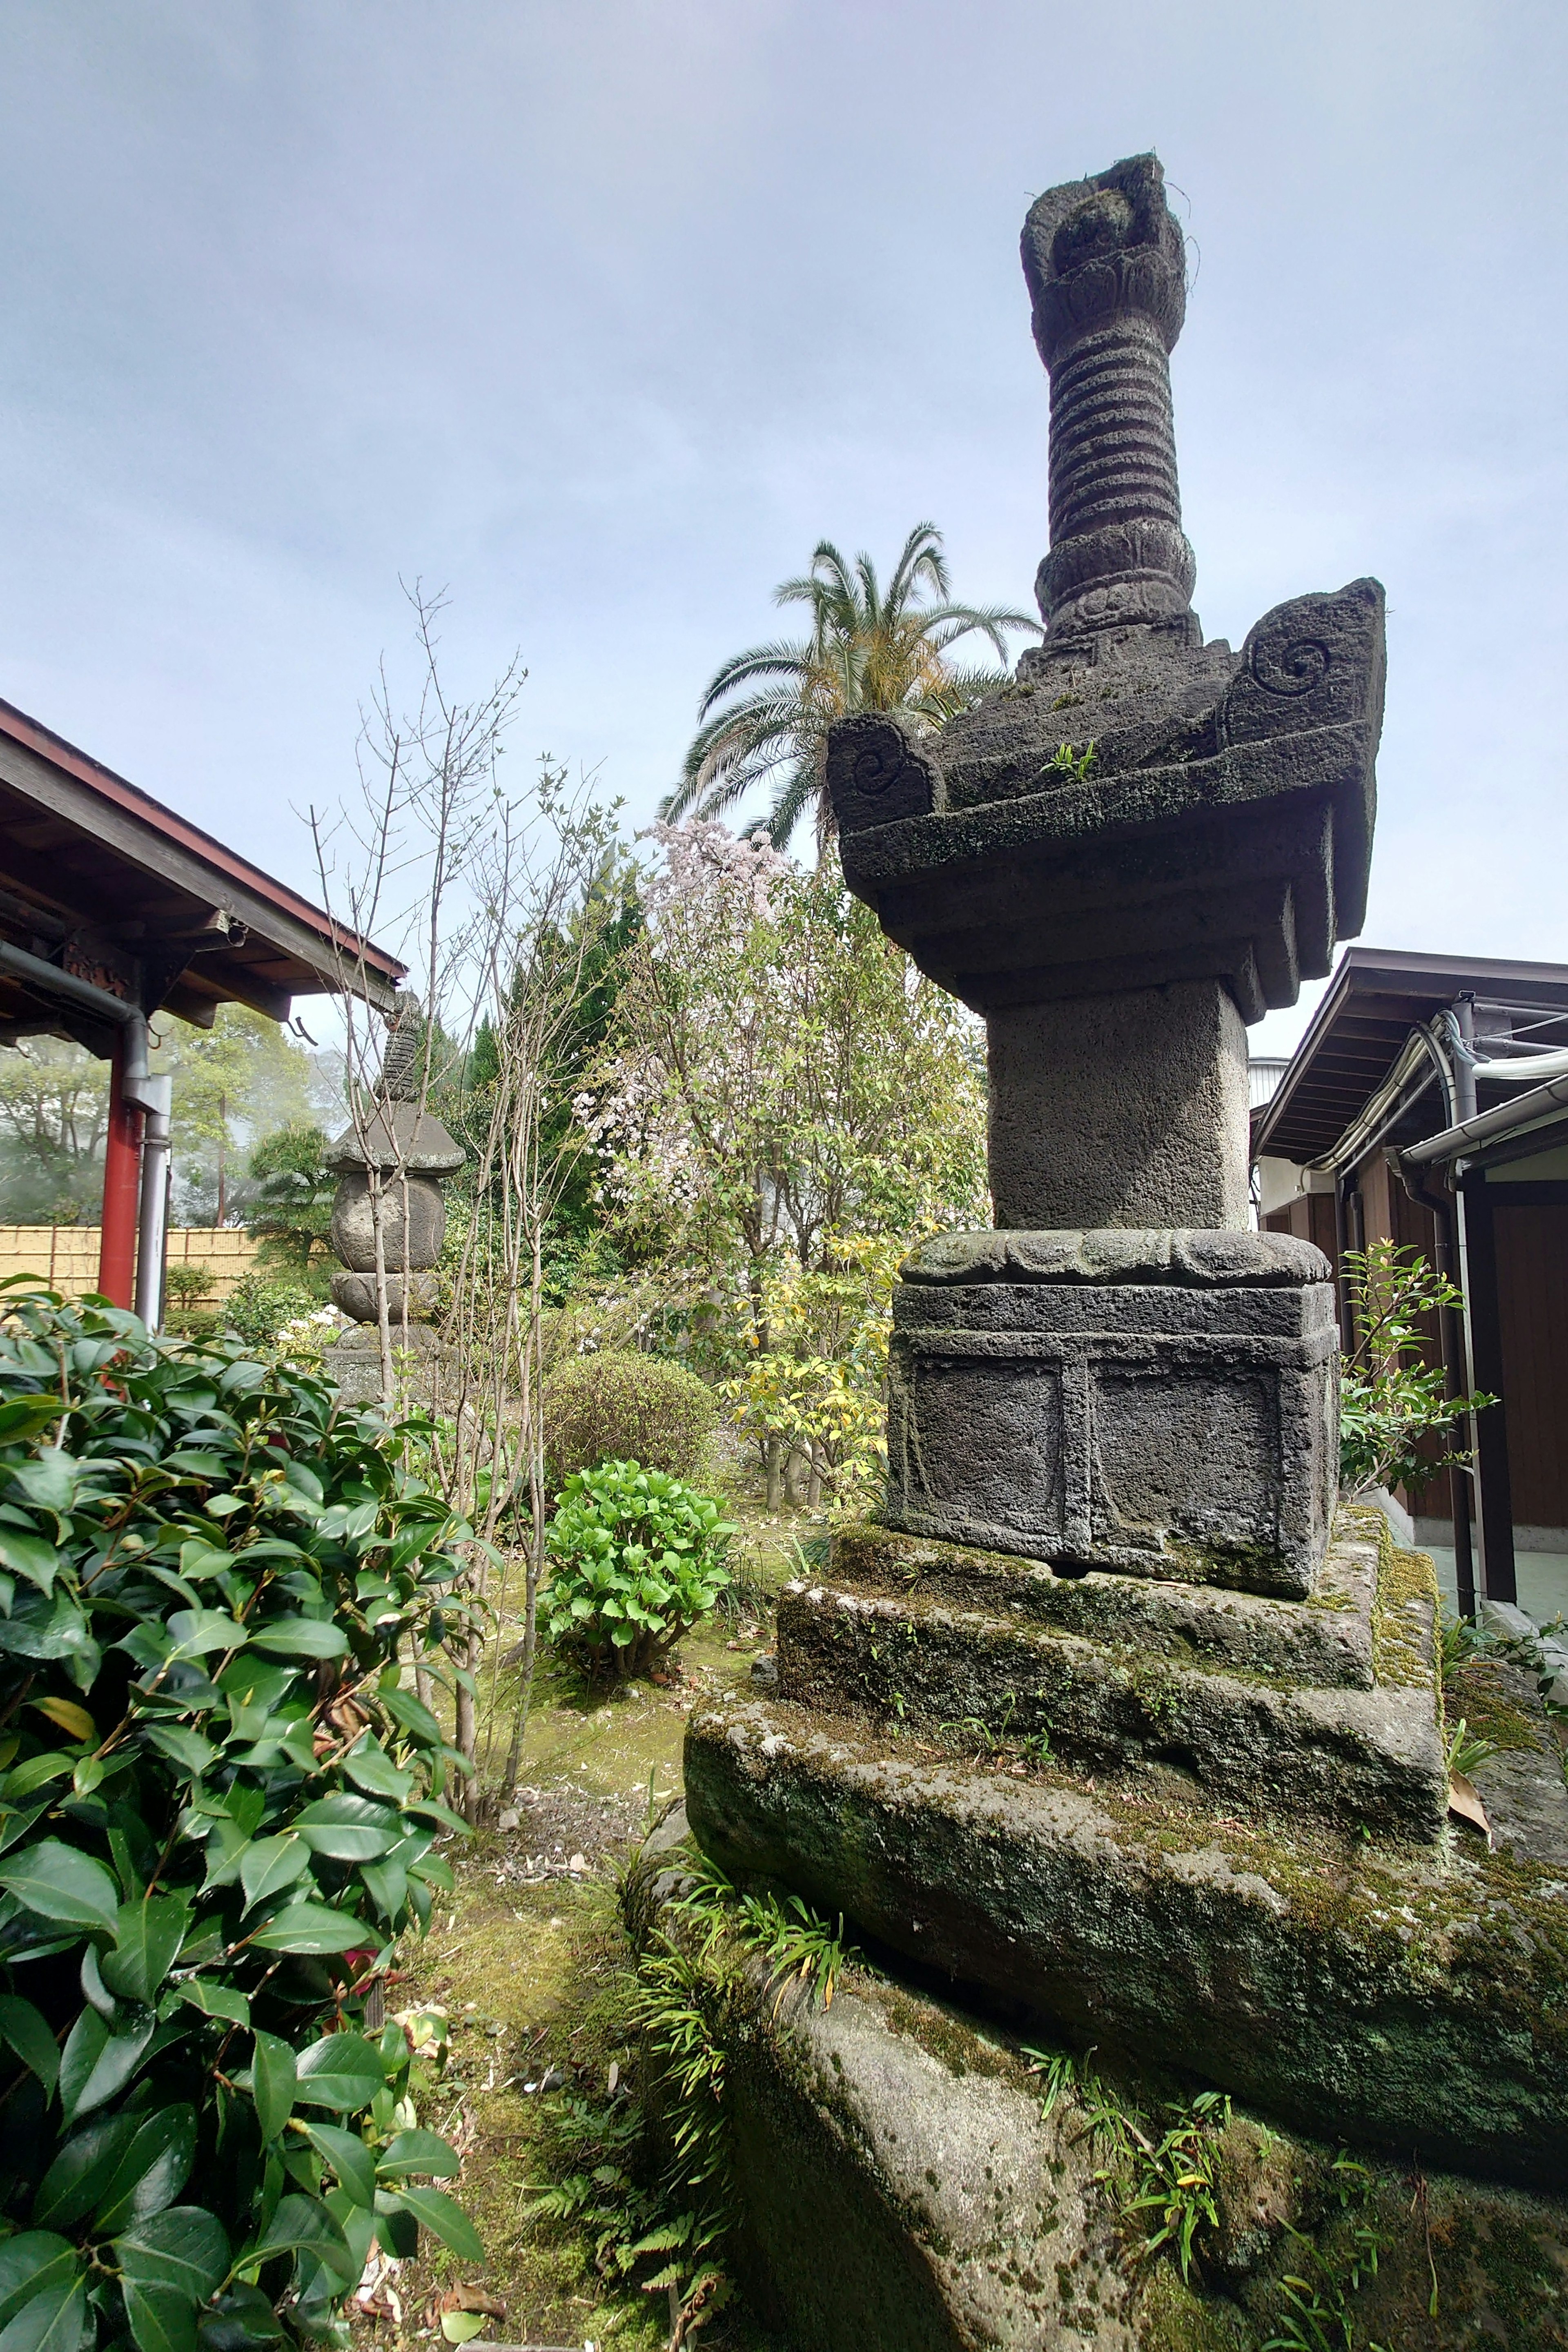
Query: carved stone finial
(401, 1072)
(1107, 276)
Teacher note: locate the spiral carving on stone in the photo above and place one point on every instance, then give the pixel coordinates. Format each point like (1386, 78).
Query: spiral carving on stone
(1290, 666)
(877, 767)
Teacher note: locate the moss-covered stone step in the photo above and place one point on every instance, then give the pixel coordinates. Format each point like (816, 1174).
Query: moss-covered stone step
(1325, 1641)
(1418, 2002)
(904, 2181)
(1351, 1756)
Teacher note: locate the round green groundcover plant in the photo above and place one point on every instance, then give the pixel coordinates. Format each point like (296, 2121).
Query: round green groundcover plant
(638, 1558)
(216, 1815)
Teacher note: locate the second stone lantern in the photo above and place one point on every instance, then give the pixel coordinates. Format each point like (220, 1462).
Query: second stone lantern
(413, 1154)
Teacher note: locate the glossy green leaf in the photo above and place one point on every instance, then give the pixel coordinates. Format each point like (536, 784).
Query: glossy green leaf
(81, 2171)
(26, 1416)
(311, 1927)
(348, 2158)
(214, 1999)
(147, 1939)
(56, 1882)
(197, 1632)
(350, 1828)
(185, 2249)
(369, 1767)
(444, 2218)
(388, 1884)
(152, 2172)
(182, 1745)
(50, 1479)
(272, 2083)
(96, 2065)
(342, 2071)
(243, 2317)
(31, 2263)
(37, 1772)
(418, 2151)
(271, 1864)
(23, 2027)
(301, 1637)
(426, 1808)
(301, 2221)
(54, 2321)
(29, 1556)
(160, 2318)
(411, 1714)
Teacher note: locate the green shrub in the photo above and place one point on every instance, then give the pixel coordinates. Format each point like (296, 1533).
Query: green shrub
(186, 1283)
(216, 1812)
(622, 1407)
(260, 1304)
(638, 1558)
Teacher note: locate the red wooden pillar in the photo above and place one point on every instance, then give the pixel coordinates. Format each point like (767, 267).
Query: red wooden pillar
(121, 1186)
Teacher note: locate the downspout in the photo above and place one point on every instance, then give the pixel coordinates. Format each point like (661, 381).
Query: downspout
(1451, 1345)
(152, 1236)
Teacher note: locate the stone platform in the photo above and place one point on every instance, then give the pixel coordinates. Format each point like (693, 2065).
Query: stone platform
(1160, 1403)
(1196, 1825)
(904, 2184)
(1273, 1705)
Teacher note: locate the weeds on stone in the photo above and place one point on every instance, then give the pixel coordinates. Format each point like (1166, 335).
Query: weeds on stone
(1066, 761)
(796, 1943)
(1466, 1751)
(652, 2185)
(1316, 2317)
(634, 2214)
(1168, 2176)
(1175, 2182)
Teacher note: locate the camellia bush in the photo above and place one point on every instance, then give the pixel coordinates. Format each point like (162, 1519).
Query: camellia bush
(217, 1811)
(638, 1558)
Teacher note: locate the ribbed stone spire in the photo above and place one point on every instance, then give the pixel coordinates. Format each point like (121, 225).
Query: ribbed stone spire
(1107, 276)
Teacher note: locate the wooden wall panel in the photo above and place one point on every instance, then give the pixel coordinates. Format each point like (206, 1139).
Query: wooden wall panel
(1533, 1305)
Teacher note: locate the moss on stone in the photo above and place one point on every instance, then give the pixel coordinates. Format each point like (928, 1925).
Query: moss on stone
(1471, 1691)
(1404, 1611)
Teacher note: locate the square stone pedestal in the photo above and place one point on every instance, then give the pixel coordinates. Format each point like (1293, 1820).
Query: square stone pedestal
(1160, 1404)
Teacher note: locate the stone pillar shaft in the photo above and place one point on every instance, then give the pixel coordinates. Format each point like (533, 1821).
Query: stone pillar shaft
(1127, 1110)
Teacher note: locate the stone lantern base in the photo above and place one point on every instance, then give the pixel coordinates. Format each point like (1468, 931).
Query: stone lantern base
(1163, 1404)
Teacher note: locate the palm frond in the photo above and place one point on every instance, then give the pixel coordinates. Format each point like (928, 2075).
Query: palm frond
(781, 659)
(795, 796)
(871, 648)
(920, 559)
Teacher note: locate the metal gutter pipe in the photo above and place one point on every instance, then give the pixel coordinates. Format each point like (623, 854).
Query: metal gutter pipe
(1469, 1134)
(1450, 1340)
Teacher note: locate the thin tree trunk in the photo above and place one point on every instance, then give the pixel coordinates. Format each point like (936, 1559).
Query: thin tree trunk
(382, 1319)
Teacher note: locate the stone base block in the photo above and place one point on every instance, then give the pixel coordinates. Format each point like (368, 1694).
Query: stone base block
(1409, 2000)
(1325, 1641)
(1151, 1403)
(903, 2184)
(1356, 1759)
(353, 1361)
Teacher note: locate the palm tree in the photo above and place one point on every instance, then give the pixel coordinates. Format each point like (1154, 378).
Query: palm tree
(867, 650)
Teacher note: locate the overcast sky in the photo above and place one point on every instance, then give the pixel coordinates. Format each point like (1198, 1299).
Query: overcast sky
(601, 312)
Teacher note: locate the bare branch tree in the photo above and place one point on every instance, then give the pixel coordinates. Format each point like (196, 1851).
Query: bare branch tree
(499, 904)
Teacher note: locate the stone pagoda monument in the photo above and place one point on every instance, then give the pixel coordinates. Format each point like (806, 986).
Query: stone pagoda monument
(414, 1155)
(1104, 1724)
